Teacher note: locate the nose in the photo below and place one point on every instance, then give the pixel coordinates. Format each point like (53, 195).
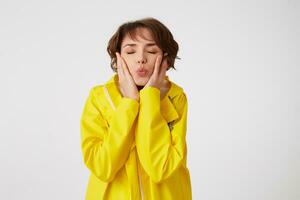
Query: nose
(142, 59)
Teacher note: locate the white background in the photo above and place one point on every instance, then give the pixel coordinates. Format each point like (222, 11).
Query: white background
(239, 67)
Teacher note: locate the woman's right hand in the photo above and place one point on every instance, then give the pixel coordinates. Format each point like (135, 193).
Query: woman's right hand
(126, 83)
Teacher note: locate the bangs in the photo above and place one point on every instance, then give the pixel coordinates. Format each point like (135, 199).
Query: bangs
(133, 33)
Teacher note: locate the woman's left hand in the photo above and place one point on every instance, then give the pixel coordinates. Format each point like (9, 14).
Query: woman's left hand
(159, 73)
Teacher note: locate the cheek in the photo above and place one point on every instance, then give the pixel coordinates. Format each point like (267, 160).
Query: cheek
(151, 63)
(152, 60)
(129, 62)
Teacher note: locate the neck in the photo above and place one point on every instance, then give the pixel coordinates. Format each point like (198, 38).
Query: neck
(139, 87)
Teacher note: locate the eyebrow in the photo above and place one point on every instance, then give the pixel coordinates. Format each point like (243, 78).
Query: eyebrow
(133, 44)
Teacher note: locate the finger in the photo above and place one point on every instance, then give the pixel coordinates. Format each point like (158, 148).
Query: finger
(163, 68)
(118, 60)
(157, 65)
(125, 67)
(119, 67)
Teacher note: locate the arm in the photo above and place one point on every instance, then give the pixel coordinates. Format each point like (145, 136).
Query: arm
(160, 150)
(106, 149)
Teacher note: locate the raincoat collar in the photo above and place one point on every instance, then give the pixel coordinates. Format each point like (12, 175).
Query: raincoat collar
(168, 109)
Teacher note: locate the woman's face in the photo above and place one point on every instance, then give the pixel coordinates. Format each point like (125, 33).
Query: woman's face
(140, 55)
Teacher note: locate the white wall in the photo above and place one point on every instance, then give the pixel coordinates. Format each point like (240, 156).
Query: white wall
(239, 68)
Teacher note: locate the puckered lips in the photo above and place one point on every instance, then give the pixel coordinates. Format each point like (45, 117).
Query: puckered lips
(142, 72)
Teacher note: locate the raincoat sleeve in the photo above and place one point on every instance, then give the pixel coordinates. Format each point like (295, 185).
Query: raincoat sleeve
(105, 148)
(161, 150)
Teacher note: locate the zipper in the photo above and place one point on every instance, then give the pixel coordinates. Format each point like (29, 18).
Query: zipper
(139, 171)
(140, 183)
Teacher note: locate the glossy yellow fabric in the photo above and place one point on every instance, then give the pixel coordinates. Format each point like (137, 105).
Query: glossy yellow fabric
(123, 137)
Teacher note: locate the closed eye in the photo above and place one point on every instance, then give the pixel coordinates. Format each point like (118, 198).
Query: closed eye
(152, 52)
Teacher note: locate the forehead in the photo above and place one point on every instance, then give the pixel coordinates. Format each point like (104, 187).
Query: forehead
(140, 36)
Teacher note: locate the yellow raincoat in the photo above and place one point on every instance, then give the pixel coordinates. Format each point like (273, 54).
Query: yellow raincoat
(135, 150)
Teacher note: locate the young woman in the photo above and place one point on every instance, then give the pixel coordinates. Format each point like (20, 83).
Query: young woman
(133, 127)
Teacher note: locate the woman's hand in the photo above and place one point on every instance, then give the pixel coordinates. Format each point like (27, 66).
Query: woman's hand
(157, 78)
(126, 82)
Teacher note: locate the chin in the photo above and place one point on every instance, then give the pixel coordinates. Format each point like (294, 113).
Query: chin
(141, 81)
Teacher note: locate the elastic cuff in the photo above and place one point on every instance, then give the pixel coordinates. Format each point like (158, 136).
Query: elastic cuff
(150, 90)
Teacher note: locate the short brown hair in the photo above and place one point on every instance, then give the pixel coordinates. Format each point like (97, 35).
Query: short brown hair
(160, 33)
